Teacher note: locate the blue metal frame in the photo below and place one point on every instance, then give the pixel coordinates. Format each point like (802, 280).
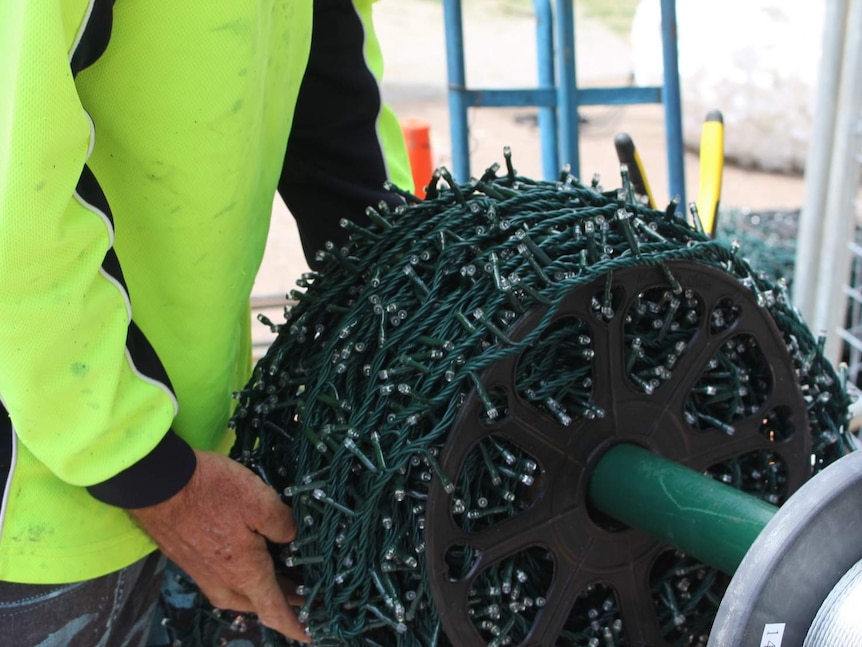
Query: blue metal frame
(547, 80)
(558, 95)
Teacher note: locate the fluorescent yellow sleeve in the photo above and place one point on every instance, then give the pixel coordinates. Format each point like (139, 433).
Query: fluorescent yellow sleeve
(136, 179)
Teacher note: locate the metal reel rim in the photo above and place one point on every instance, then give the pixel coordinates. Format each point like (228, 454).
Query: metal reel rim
(813, 521)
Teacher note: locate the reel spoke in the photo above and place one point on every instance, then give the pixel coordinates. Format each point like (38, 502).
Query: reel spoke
(568, 583)
(636, 604)
(532, 528)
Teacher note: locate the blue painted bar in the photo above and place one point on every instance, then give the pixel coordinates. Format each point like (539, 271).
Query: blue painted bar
(567, 86)
(547, 80)
(521, 97)
(619, 96)
(510, 97)
(459, 128)
(672, 102)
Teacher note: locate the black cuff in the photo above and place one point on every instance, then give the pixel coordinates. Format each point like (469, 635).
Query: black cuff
(155, 478)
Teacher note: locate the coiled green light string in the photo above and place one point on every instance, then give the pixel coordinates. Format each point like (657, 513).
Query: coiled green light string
(767, 240)
(349, 409)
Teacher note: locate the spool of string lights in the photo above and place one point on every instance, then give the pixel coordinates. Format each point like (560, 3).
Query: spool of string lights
(348, 412)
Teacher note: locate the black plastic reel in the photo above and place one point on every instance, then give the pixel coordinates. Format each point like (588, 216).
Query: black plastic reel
(588, 554)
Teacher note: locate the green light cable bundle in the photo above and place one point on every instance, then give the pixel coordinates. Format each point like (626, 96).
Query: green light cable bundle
(350, 409)
(767, 239)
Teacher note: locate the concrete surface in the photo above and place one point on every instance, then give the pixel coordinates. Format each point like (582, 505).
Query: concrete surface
(500, 52)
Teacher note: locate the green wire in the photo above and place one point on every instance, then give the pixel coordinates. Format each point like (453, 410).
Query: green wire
(367, 373)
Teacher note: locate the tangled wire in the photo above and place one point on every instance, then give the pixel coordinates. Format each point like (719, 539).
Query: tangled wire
(348, 412)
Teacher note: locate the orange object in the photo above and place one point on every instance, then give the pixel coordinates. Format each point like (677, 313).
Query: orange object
(418, 138)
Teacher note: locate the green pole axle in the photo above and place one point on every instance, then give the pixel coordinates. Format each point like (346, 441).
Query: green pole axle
(701, 517)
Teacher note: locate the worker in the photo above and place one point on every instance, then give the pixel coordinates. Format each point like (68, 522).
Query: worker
(141, 145)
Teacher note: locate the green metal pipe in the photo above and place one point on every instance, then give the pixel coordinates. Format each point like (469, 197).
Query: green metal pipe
(703, 518)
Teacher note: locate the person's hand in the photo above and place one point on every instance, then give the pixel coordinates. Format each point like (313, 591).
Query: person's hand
(215, 529)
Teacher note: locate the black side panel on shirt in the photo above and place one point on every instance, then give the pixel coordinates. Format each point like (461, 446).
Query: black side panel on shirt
(142, 353)
(169, 466)
(6, 441)
(334, 167)
(96, 35)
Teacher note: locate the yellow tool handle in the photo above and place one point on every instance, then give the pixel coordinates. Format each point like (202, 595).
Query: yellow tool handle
(711, 170)
(628, 155)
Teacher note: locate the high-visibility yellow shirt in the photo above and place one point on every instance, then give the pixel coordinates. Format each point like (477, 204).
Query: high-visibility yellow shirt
(141, 145)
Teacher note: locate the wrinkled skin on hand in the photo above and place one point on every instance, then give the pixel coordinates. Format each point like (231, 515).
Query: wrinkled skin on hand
(216, 528)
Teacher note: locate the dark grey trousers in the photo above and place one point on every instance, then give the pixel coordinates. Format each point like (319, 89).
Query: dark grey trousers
(115, 610)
